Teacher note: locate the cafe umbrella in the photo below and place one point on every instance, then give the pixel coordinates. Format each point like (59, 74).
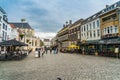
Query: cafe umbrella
(9, 47)
(12, 42)
(73, 47)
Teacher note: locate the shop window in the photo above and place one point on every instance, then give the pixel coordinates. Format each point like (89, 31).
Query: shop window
(104, 31)
(90, 34)
(87, 35)
(111, 30)
(87, 28)
(116, 29)
(108, 31)
(90, 26)
(94, 34)
(98, 33)
(98, 23)
(93, 25)
(84, 28)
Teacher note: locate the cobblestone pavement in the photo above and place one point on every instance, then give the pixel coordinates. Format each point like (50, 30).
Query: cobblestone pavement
(64, 66)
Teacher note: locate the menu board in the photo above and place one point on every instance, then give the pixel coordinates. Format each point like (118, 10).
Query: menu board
(116, 50)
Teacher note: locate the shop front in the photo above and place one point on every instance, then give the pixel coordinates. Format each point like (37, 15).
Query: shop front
(109, 47)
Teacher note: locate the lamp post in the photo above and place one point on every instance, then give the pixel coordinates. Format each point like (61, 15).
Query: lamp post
(23, 20)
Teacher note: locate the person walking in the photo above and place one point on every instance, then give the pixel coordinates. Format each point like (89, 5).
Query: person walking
(42, 51)
(50, 50)
(72, 50)
(54, 50)
(45, 49)
(39, 52)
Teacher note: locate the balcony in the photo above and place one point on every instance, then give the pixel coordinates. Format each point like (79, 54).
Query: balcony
(110, 36)
(63, 38)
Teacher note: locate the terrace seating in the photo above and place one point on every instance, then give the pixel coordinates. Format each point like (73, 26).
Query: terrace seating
(13, 55)
(10, 52)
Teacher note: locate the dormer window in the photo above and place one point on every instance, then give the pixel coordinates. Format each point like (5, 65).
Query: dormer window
(115, 5)
(118, 3)
(112, 6)
(0, 18)
(103, 11)
(5, 18)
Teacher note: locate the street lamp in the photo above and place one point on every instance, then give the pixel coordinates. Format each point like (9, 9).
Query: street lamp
(23, 20)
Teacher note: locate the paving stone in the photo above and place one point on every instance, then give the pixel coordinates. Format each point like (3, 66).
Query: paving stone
(61, 66)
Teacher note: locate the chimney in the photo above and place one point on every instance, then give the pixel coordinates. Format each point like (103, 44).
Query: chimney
(66, 23)
(70, 21)
(23, 20)
(107, 6)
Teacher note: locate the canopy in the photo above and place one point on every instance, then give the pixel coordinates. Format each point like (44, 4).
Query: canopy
(110, 41)
(73, 47)
(12, 42)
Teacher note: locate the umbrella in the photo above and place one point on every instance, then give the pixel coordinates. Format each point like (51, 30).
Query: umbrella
(12, 42)
(73, 47)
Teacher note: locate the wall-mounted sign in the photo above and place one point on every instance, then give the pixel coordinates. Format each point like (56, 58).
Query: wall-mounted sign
(116, 50)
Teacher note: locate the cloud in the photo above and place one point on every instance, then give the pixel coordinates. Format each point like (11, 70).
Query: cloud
(48, 16)
(44, 35)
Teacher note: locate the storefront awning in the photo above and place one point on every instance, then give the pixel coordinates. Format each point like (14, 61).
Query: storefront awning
(12, 42)
(92, 42)
(110, 41)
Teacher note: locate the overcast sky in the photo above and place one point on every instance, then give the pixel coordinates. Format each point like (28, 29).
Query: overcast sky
(48, 16)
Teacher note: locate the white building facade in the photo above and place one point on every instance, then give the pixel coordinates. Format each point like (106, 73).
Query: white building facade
(47, 42)
(53, 41)
(12, 32)
(3, 25)
(91, 30)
